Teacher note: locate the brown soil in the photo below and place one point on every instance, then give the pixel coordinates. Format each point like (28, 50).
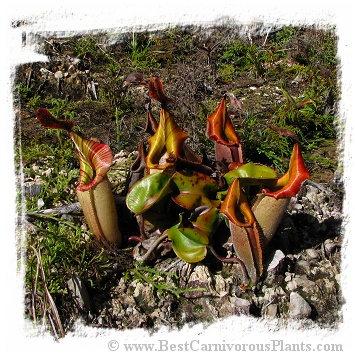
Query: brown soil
(312, 222)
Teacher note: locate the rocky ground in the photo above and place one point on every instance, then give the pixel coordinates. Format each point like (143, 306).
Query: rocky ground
(302, 278)
(303, 263)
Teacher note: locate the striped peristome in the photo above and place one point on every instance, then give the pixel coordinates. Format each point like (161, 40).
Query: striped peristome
(95, 161)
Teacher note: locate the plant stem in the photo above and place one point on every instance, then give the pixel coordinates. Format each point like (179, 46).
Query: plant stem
(144, 257)
(230, 260)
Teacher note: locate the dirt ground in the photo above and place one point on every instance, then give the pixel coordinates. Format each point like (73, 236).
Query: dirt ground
(307, 246)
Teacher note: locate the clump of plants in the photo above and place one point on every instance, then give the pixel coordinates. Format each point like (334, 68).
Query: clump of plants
(183, 202)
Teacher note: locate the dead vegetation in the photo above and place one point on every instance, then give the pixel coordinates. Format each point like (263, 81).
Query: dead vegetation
(280, 76)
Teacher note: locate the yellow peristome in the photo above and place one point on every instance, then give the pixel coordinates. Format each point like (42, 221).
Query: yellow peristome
(167, 140)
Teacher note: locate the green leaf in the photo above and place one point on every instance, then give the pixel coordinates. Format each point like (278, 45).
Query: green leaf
(148, 191)
(250, 174)
(194, 189)
(189, 244)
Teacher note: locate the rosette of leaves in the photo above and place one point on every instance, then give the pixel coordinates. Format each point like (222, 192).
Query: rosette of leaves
(179, 197)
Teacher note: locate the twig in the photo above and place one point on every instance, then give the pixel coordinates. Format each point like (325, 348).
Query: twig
(317, 185)
(34, 293)
(266, 37)
(71, 208)
(144, 257)
(209, 50)
(286, 49)
(92, 90)
(173, 264)
(49, 296)
(53, 326)
(53, 218)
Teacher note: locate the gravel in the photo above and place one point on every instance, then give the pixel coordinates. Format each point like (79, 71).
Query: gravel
(301, 281)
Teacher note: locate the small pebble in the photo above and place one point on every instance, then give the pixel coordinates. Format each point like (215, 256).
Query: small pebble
(312, 253)
(299, 307)
(271, 311)
(59, 75)
(276, 260)
(40, 203)
(297, 79)
(330, 246)
(303, 267)
(288, 277)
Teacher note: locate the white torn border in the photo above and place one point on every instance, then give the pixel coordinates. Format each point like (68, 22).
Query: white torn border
(75, 16)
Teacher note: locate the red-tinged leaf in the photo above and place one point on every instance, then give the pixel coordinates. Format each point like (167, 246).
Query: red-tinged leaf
(138, 165)
(194, 189)
(186, 152)
(284, 132)
(290, 183)
(234, 165)
(148, 191)
(236, 207)
(220, 127)
(190, 155)
(95, 160)
(207, 219)
(156, 91)
(247, 245)
(226, 154)
(304, 102)
(50, 122)
(166, 142)
(183, 164)
(151, 124)
(137, 169)
(220, 130)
